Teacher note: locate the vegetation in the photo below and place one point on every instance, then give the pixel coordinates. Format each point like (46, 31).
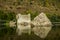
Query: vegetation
(5, 18)
(33, 7)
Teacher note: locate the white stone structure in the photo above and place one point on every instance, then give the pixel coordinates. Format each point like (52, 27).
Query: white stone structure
(42, 25)
(23, 24)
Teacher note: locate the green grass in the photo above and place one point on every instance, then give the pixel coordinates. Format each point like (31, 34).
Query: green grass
(8, 17)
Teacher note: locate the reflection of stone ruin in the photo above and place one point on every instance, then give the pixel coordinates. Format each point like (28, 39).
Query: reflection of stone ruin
(42, 25)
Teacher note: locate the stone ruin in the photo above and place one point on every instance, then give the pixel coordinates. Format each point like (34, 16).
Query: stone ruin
(23, 24)
(42, 25)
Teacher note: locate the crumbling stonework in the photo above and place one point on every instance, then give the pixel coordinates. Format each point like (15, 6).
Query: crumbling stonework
(23, 24)
(42, 25)
(41, 28)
